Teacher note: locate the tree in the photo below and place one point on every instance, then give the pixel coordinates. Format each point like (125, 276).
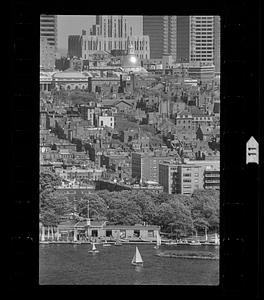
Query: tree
(205, 209)
(97, 207)
(51, 204)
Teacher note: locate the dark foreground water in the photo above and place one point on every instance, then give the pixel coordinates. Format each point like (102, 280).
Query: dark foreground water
(73, 265)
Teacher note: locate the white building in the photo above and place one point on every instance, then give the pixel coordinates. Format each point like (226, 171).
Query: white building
(108, 121)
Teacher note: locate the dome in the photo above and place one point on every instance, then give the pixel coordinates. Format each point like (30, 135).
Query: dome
(130, 61)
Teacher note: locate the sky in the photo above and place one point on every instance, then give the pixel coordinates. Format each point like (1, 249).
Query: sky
(73, 24)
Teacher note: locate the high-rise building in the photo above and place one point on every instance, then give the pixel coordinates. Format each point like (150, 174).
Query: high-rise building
(47, 54)
(180, 178)
(217, 40)
(112, 32)
(202, 39)
(145, 166)
(183, 39)
(185, 178)
(186, 38)
(48, 29)
(48, 41)
(74, 46)
(162, 35)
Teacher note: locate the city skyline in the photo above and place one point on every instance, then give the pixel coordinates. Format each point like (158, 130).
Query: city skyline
(73, 25)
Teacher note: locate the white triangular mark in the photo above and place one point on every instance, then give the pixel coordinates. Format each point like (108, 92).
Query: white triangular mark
(252, 151)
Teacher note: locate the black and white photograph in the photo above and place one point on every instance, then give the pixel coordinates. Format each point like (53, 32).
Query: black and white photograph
(129, 153)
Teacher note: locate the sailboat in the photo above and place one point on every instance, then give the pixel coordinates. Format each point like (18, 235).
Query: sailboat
(158, 241)
(137, 259)
(94, 250)
(105, 244)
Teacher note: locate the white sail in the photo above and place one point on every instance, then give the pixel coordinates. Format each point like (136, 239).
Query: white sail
(206, 237)
(75, 236)
(94, 248)
(43, 234)
(158, 239)
(137, 257)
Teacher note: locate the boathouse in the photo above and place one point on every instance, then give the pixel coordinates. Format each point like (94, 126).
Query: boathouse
(86, 229)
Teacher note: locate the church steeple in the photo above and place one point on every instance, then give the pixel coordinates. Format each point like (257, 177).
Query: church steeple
(130, 47)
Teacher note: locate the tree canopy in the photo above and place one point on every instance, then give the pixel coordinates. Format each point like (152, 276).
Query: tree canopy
(177, 214)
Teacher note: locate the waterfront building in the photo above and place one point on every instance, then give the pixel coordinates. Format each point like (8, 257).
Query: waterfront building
(187, 177)
(87, 229)
(211, 172)
(212, 178)
(180, 179)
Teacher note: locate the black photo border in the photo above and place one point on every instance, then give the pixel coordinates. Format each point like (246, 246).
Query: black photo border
(240, 205)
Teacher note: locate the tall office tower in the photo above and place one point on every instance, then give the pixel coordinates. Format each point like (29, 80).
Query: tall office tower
(183, 39)
(202, 39)
(47, 54)
(48, 29)
(75, 46)
(111, 33)
(153, 26)
(217, 40)
(162, 35)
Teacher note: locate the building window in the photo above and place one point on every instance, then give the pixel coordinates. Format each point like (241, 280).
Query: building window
(136, 233)
(108, 233)
(150, 233)
(95, 233)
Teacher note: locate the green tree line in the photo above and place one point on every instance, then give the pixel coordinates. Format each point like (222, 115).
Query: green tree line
(178, 214)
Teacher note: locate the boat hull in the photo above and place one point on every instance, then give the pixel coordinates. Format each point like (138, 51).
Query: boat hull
(93, 251)
(137, 264)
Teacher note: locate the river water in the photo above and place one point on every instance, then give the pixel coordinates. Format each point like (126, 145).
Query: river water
(67, 264)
